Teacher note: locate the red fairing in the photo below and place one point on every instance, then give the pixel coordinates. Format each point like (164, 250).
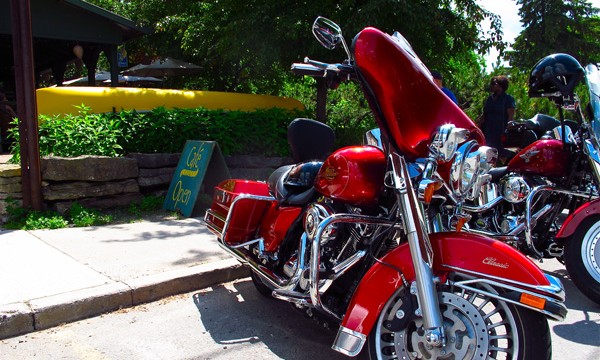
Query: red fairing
(586, 210)
(412, 106)
(353, 175)
(468, 252)
(543, 157)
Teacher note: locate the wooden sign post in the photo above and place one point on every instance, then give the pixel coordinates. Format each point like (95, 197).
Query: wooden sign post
(201, 163)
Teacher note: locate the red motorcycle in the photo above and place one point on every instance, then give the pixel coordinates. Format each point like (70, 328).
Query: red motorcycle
(545, 201)
(344, 236)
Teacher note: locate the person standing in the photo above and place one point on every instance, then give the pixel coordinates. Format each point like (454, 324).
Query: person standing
(439, 81)
(498, 110)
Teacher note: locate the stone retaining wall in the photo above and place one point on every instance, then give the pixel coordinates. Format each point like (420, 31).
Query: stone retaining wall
(103, 182)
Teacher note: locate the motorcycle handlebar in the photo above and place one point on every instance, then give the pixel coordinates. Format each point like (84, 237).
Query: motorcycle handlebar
(333, 73)
(307, 69)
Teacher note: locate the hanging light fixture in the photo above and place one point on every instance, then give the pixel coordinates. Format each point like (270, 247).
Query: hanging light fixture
(78, 51)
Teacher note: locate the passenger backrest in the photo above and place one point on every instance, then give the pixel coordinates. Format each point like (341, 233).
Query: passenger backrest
(310, 139)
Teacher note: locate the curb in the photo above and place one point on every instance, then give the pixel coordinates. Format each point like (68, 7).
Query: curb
(43, 313)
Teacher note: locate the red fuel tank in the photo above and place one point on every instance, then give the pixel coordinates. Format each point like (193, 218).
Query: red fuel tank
(353, 175)
(543, 157)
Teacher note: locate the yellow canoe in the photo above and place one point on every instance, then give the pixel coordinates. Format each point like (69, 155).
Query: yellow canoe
(63, 100)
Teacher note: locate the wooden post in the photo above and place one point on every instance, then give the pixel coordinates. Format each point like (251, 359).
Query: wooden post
(26, 104)
(321, 109)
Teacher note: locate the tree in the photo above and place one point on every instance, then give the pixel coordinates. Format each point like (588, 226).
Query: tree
(249, 45)
(552, 26)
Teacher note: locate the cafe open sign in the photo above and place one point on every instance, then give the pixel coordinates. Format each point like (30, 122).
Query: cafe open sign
(200, 162)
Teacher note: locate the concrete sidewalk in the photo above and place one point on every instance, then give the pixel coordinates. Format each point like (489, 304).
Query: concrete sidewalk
(50, 277)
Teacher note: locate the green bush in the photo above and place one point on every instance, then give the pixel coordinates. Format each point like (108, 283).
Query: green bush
(261, 132)
(148, 204)
(20, 218)
(80, 216)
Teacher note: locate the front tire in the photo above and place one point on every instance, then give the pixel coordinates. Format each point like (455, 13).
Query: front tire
(476, 327)
(582, 258)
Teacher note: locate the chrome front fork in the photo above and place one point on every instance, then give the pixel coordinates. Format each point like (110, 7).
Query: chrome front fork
(420, 251)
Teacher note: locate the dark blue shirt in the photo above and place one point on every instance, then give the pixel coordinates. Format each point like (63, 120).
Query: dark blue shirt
(450, 94)
(495, 118)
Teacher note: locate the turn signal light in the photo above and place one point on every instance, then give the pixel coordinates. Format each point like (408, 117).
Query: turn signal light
(532, 300)
(460, 223)
(429, 191)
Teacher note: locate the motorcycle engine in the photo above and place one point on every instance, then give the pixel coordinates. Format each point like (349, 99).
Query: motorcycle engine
(514, 189)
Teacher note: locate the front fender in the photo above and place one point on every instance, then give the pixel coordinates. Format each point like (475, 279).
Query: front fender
(577, 217)
(462, 252)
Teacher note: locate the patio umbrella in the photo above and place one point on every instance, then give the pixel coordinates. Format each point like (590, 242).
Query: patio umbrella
(163, 67)
(103, 78)
(127, 79)
(100, 76)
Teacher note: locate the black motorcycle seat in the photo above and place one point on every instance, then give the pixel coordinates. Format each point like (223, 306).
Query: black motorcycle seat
(498, 173)
(287, 194)
(541, 123)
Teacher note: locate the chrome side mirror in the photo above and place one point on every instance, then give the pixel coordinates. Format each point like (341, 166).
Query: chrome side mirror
(329, 34)
(373, 137)
(446, 140)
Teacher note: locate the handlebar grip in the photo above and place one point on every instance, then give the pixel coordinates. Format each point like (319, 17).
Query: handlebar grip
(308, 69)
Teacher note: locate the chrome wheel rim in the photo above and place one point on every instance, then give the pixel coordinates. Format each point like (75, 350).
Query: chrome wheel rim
(476, 327)
(590, 251)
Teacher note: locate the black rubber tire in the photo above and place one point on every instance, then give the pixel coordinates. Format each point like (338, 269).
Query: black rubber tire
(532, 334)
(262, 288)
(585, 240)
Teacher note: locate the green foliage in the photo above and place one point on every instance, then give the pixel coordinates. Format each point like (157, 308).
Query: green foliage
(74, 135)
(261, 132)
(347, 109)
(553, 26)
(81, 217)
(148, 204)
(248, 45)
(22, 219)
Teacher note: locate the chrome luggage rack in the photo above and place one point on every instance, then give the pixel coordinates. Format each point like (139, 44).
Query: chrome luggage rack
(222, 197)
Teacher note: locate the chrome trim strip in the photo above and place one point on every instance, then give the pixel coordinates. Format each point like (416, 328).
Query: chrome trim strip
(464, 285)
(349, 342)
(555, 290)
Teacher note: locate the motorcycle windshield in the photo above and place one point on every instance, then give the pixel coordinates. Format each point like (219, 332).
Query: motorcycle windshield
(593, 82)
(400, 89)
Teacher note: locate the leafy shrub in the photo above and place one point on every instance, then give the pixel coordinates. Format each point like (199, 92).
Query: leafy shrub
(148, 204)
(80, 216)
(20, 218)
(261, 132)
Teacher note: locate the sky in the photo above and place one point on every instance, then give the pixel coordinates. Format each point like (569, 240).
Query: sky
(511, 24)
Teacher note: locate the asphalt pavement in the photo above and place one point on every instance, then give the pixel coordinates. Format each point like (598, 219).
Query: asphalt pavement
(51, 277)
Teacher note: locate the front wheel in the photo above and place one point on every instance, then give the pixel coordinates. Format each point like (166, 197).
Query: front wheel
(582, 258)
(476, 326)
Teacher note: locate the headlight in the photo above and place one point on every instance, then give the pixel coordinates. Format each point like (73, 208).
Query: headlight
(470, 163)
(514, 189)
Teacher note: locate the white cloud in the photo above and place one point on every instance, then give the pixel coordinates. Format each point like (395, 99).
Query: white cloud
(511, 22)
